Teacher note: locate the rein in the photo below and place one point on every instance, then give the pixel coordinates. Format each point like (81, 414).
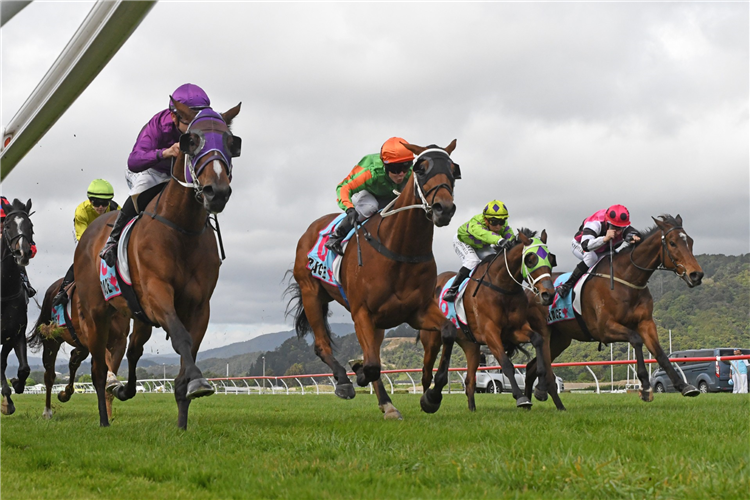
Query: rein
(375, 242)
(664, 248)
(526, 282)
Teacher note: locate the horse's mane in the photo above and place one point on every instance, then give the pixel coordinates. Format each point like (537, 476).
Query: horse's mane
(646, 233)
(527, 232)
(17, 205)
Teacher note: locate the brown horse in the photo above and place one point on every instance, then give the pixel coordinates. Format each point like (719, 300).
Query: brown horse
(51, 336)
(173, 260)
(624, 314)
(496, 310)
(395, 283)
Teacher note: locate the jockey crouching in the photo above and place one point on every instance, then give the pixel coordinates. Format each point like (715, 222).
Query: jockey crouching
(370, 185)
(484, 233)
(150, 162)
(592, 238)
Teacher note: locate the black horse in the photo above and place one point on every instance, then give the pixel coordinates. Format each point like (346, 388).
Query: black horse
(17, 235)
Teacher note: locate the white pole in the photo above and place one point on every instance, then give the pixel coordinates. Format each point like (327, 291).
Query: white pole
(611, 369)
(670, 341)
(164, 372)
(264, 373)
(227, 370)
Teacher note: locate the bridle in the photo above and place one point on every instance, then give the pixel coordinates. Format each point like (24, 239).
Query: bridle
(664, 249)
(8, 241)
(433, 168)
(528, 282)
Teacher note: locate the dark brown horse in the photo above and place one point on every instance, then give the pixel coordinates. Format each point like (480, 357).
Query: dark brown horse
(51, 336)
(394, 285)
(15, 252)
(624, 314)
(173, 259)
(496, 309)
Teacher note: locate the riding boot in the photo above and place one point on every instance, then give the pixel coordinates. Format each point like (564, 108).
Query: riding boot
(452, 292)
(62, 297)
(109, 252)
(334, 241)
(25, 278)
(579, 271)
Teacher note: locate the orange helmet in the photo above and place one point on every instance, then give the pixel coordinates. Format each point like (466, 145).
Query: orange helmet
(618, 215)
(395, 152)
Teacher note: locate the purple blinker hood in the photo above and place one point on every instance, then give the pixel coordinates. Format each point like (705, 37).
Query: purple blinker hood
(216, 142)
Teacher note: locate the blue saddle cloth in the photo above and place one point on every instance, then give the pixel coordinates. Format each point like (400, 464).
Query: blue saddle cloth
(449, 308)
(320, 259)
(561, 308)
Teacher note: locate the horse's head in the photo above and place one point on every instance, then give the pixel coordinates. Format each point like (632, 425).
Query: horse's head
(208, 141)
(536, 265)
(18, 231)
(677, 250)
(434, 177)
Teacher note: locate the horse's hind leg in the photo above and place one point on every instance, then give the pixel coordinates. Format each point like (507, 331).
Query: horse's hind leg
(494, 342)
(431, 343)
(540, 392)
(7, 407)
(432, 398)
(76, 358)
(471, 350)
(315, 310)
(49, 355)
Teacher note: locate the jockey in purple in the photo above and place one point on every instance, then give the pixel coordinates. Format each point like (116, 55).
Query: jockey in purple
(150, 162)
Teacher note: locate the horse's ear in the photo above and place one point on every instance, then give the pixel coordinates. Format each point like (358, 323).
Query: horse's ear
(28, 206)
(523, 238)
(678, 219)
(543, 236)
(552, 260)
(450, 147)
(183, 111)
(659, 223)
(417, 150)
(228, 116)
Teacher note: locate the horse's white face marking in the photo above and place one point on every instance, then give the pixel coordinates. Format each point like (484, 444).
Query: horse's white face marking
(684, 237)
(217, 168)
(18, 222)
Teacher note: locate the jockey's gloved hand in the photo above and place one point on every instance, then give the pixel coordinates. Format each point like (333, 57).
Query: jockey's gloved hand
(353, 216)
(502, 244)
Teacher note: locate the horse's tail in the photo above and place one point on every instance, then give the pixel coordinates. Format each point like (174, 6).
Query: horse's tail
(512, 349)
(295, 308)
(35, 338)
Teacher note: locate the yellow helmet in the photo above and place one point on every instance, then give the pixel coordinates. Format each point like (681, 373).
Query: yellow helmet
(99, 188)
(495, 209)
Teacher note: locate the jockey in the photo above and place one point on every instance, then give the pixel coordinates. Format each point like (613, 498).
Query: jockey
(612, 224)
(485, 232)
(30, 291)
(370, 185)
(150, 162)
(99, 202)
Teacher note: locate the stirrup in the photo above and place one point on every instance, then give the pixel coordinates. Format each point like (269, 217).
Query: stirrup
(334, 245)
(61, 299)
(563, 290)
(450, 294)
(109, 254)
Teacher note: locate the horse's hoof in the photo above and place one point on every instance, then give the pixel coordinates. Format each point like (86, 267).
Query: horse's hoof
(114, 388)
(390, 412)
(7, 407)
(690, 391)
(120, 392)
(111, 383)
(18, 387)
(647, 396)
(430, 401)
(63, 396)
(345, 391)
(523, 402)
(198, 388)
(47, 413)
(540, 395)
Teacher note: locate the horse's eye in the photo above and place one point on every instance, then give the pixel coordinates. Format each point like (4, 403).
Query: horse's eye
(671, 243)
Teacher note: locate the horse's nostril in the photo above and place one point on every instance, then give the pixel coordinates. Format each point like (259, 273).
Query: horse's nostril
(696, 277)
(208, 192)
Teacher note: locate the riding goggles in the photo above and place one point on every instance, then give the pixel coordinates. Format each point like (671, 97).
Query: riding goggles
(397, 168)
(98, 202)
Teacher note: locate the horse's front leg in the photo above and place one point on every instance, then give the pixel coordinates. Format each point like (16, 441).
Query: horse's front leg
(646, 392)
(7, 407)
(541, 390)
(647, 331)
(385, 404)
(471, 350)
(431, 344)
(139, 337)
(19, 384)
(493, 336)
(76, 358)
(370, 339)
(434, 319)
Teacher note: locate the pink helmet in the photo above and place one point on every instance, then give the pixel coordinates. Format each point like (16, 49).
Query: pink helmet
(191, 95)
(618, 215)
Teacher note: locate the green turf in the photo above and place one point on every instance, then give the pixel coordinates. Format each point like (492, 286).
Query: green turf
(321, 447)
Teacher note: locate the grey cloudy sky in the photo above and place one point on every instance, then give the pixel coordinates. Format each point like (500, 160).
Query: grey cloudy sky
(560, 109)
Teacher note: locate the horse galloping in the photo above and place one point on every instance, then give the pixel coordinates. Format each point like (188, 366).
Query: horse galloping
(15, 252)
(395, 284)
(173, 260)
(496, 310)
(625, 314)
(50, 336)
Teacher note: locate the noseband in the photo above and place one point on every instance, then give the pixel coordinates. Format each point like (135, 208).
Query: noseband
(664, 249)
(433, 168)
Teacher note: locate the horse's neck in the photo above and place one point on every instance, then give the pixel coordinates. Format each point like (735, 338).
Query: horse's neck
(409, 232)
(11, 272)
(177, 203)
(508, 276)
(647, 255)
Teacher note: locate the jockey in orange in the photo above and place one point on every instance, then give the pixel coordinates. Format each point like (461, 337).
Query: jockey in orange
(370, 185)
(592, 238)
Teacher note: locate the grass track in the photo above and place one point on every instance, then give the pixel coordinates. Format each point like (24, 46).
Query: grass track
(320, 447)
